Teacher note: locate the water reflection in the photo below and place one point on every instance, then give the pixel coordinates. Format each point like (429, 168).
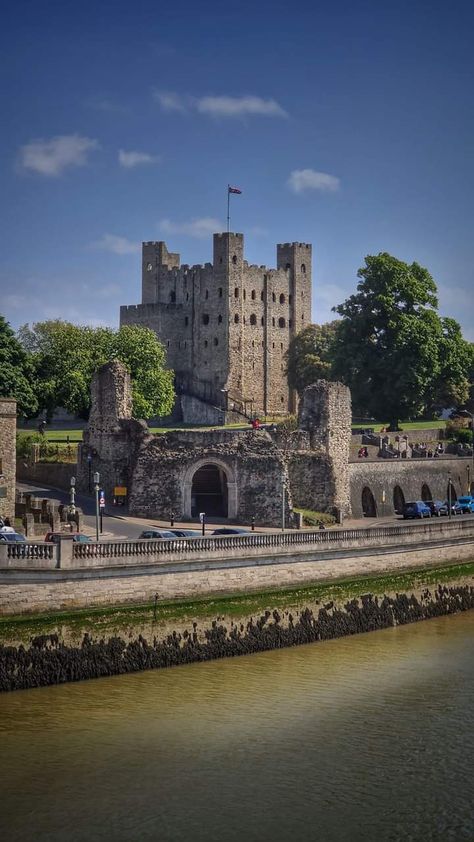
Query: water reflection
(363, 738)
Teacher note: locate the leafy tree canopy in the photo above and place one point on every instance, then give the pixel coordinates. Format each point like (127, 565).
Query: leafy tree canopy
(309, 356)
(396, 353)
(65, 357)
(16, 372)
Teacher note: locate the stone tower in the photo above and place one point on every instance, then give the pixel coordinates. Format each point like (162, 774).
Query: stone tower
(7, 457)
(325, 413)
(226, 325)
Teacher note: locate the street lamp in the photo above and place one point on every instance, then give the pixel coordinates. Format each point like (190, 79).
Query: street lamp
(96, 491)
(464, 413)
(449, 495)
(283, 502)
(72, 496)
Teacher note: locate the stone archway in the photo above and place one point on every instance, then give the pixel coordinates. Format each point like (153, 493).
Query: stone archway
(426, 492)
(210, 487)
(398, 500)
(369, 506)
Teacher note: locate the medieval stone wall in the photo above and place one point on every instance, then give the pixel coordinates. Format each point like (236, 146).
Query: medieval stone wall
(7, 457)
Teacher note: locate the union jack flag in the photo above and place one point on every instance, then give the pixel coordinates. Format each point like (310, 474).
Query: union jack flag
(234, 190)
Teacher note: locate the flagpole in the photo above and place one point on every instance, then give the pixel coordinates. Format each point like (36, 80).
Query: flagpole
(228, 208)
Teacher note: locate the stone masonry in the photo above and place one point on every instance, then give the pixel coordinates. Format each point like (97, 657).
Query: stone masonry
(235, 475)
(226, 325)
(7, 457)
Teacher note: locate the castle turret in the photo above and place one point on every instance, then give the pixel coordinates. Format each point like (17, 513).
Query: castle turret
(156, 260)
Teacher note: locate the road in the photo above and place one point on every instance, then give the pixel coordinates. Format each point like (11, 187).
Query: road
(118, 526)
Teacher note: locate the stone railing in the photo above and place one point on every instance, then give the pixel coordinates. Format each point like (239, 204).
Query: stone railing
(252, 546)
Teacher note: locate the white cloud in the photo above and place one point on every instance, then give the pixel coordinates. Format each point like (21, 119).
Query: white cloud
(220, 106)
(170, 101)
(52, 157)
(135, 159)
(117, 245)
(228, 106)
(301, 180)
(199, 228)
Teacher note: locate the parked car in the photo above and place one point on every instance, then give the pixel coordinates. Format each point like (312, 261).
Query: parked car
(156, 535)
(185, 533)
(12, 538)
(416, 509)
(455, 508)
(231, 530)
(77, 537)
(467, 503)
(435, 507)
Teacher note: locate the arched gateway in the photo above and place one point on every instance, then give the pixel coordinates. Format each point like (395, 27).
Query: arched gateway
(210, 487)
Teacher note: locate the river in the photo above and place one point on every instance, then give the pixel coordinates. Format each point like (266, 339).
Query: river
(362, 738)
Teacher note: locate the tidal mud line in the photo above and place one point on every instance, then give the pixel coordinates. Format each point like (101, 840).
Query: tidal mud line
(49, 661)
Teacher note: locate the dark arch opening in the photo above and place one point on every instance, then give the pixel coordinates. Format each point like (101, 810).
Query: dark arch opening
(398, 500)
(426, 492)
(172, 297)
(209, 492)
(369, 506)
(454, 496)
(253, 319)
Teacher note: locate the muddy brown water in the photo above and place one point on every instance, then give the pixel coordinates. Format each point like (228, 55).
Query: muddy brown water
(363, 738)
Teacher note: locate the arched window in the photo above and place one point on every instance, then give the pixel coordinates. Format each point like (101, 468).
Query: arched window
(207, 294)
(369, 506)
(253, 344)
(261, 295)
(289, 322)
(205, 318)
(236, 318)
(281, 322)
(253, 319)
(186, 321)
(219, 319)
(398, 500)
(290, 299)
(273, 322)
(168, 343)
(426, 492)
(216, 341)
(205, 343)
(262, 321)
(234, 259)
(187, 296)
(220, 292)
(288, 266)
(236, 292)
(282, 299)
(273, 296)
(303, 269)
(173, 297)
(253, 295)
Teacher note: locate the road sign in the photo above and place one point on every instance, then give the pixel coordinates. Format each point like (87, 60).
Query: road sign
(202, 516)
(102, 499)
(120, 491)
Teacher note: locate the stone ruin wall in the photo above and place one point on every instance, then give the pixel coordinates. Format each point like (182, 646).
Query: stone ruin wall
(7, 457)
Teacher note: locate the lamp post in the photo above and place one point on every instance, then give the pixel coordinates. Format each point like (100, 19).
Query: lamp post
(96, 492)
(72, 496)
(449, 495)
(466, 414)
(283, 502)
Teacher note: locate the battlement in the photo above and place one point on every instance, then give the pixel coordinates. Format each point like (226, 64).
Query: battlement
(294, 245)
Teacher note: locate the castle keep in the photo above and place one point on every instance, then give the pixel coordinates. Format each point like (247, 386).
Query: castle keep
(226, 325)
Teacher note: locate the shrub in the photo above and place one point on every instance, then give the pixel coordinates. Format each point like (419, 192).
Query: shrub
(311, 518)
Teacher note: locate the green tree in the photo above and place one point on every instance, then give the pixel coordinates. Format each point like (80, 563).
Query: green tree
(65, 357)
(309, 355)
(16, 371)
(392, 348)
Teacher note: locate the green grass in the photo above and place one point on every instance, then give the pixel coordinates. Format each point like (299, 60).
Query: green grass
(405, 425)
(76, 435)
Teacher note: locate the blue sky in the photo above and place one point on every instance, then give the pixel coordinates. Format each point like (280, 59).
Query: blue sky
(345, 124)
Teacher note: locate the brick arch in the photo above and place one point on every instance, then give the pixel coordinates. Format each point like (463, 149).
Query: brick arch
(426, 492)
(369, 506)
(231, 484)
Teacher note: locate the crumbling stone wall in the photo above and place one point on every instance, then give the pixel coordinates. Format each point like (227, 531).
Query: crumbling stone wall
(7, 457)
(325, 412)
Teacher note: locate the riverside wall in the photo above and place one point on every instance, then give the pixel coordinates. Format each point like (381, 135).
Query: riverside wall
(44, 578)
